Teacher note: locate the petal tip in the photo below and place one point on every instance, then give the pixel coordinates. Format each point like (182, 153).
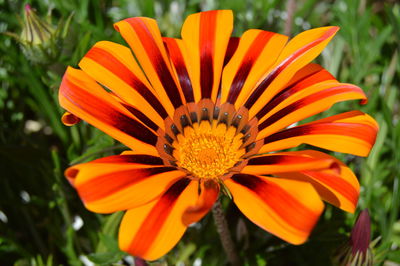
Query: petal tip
(71, 173)
(332, 30)
(69, 119)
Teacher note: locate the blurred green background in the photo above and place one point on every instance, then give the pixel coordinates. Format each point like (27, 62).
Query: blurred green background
(42, 220)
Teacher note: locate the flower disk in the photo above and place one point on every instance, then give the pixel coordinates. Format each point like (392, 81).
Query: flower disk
(207, 155)
(209, 141)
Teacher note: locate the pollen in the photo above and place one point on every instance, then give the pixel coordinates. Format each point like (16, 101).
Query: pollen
(207, 152)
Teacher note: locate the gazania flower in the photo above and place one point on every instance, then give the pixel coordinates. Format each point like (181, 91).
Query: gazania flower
(211, 110)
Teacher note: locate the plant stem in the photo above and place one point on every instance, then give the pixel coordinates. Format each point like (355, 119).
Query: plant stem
(71, 240)
(290, 10)
(224, 234)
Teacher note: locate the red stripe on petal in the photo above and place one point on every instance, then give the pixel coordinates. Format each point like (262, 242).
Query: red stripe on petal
(275, 72)
(154, 221)
(102, 110)
(157, 60)
(107, 185)
(136, 158)
(359, 131)
(206, 44)
(301, 84)
(279, 159)
(142, 117)
(180, 67)
(251, 56)
(107, 60)
(232, 46)
(319, 96)
(336, 183)
(279, 200)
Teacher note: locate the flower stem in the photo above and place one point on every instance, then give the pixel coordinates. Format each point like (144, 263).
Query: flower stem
(224, 234)
(290, 10)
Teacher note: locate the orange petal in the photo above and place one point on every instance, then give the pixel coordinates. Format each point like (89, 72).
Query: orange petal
(307, 102)
(206, 36)
(284, 162)
(114, 66)
(297, 53)
(69, 119)
(121, 182)
(340, 188)
(144, 38)
(309, 75)
(307, 71)
(138, 114)
(285, 208)
(209, 191)
(83, 97)
(256, 53)
(151, 230)
(178, 55)
(352, 132)
(230, 51)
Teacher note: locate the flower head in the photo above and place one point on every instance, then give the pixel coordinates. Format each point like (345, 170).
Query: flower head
(211, 110)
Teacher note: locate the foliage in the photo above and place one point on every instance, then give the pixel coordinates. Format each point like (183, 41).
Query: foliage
(40, 214)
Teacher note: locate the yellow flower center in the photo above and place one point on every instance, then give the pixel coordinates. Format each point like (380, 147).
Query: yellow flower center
(208, 152)
(207, 141)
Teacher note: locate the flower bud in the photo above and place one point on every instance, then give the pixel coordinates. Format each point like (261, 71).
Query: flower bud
(40, 40)
(36, 31)
(357, 250)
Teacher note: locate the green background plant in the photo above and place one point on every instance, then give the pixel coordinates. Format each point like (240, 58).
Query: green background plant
(39, 211)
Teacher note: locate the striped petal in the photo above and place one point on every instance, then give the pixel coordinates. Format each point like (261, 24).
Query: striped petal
(206, 36)
(297, 53)
(153, 229)
(305, 102)
(284, 162)
(178, 55)
(114, 66)
(230, 51)
(309, 75)
(251, 60)
(340, 188)
(144, 38)
(209, 191)
(352, 132)
(286, 208)
(138, 114)
(69, 119)
(121, 182)
(80, 95)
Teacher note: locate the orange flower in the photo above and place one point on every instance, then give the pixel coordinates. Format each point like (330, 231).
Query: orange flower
(210, 110)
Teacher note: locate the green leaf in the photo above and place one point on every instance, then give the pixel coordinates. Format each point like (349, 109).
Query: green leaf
(106, 258)
(108, 242)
